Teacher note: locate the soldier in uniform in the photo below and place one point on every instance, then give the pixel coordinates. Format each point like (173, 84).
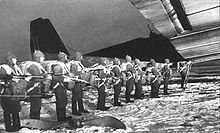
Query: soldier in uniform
(183, 67)
(166, 72)
(57, 86)
(11, 107)
(77, 69)
(35, 87)
(128, 78)
(102, 74)
(155, 80)
(138, 79)
(116, 72)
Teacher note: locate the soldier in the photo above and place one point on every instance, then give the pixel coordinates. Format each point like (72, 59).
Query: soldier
(116, 72)
(11, 107)
(35, 87)
(102, 74)
(167, 73)
(58, 87)
(138, 79)
(183, 67)
(77, 69)
(155, 80)
(128, 79)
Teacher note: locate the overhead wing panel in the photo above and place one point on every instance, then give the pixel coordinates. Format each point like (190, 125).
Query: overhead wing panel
(83, 25)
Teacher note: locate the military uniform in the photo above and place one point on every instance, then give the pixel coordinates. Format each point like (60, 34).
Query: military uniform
(57, 86)
(183, 68)
(116, 71)
(138, 80)
(102, 74)
(11, 107)
(155, 83)
(77, 92)
(155, 79)
(128, 77)
(166, 72)
(35, 86)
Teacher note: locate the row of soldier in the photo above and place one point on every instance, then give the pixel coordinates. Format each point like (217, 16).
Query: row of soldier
(70, 75)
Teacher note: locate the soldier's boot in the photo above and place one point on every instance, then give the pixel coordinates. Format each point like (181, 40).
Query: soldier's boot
(16, 122)
(74, 109)
(7, 120)
(81, 107)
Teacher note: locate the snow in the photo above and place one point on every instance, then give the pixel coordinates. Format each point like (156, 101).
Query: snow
(177, 112)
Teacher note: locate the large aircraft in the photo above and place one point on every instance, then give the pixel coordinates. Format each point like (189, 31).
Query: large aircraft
(144, 29)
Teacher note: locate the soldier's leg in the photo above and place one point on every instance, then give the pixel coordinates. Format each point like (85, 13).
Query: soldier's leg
(75, 98)
(81, 106)
(8, 121)
(129, 89)
(16, 121)
(101, 98)
(61, 113)
(117, 91)
(153, 90)
(74, 108)
(157, 86)
(138, 89)
(166, 82)
(183, 78)
(35, 107)
(6, 106)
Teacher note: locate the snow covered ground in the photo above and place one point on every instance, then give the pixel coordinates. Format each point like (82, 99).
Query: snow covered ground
(196, 110)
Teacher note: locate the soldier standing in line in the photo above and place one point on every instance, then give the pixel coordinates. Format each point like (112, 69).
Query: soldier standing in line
(167, 73)
(77, 69)
(11, 107)
(57, 86)
(128, 78)
(155, 80)
(116, 72)
(183, 67)
(138, 79)
(35, 87)
(102, 74)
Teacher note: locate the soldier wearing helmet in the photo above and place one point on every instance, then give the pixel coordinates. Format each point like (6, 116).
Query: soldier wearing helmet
(10, 105)
(139, 78)
(116, 73)
(77, 68)
(167, 73)
(102, 74)
(35, 87)
(128, 78)
(60, 90)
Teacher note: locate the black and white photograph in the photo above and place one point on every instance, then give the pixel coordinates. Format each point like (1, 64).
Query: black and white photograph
(109, 66)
